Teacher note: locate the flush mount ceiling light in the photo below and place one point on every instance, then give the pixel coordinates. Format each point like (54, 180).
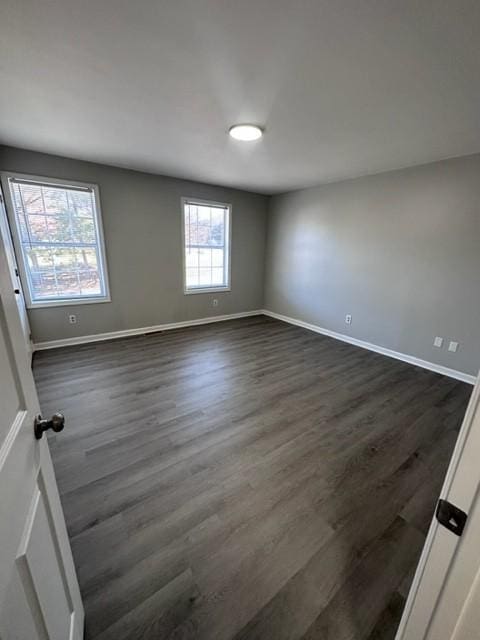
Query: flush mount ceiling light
(245, 132)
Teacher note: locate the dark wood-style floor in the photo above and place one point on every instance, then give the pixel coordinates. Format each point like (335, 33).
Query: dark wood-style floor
(246, 480)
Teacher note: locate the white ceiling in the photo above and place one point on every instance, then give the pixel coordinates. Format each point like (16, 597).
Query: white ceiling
(343, 87)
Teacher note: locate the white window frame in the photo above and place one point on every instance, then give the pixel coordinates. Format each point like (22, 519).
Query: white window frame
(228, 247)
(6, 177)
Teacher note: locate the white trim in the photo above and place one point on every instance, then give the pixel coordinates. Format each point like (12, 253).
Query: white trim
(227, 247)
(111, 335)
(431, 366)
(6, 177)
(189, 292)
(100, 337)
(68, 302)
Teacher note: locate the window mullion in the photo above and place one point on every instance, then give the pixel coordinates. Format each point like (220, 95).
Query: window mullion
(25, 215)
(70, 225)
(62, 245)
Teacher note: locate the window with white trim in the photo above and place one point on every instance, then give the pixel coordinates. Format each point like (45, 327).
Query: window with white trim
(59, 241)
(206, 227)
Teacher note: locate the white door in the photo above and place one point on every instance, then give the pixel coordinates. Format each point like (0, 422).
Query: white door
(14, 274)
(39, 594)
(444, 601)
(457, 615)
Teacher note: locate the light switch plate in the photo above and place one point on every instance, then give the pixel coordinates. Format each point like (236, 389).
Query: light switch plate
(438, 342)
(453, 346)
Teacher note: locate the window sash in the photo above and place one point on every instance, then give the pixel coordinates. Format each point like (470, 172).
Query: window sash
(224, 247)
(79, 279)
(51, 185)
(205, 246)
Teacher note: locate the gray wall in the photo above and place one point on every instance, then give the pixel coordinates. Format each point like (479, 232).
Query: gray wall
(142, 226)
(400, 251)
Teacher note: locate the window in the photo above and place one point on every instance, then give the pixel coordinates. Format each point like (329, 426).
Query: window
(206, 228)
(58, 238)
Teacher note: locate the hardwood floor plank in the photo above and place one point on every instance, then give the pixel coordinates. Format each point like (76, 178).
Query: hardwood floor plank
(248, 480)
(159, 615)
(357, 605)
(387, 625)
(295, 606)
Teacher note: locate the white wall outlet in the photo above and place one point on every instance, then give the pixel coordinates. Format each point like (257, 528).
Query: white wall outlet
(72, 319)
(438, 342)
(453, 346)
(215, 302)
(348, 318)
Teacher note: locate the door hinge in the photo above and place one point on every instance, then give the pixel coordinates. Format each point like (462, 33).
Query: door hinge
(451, 517)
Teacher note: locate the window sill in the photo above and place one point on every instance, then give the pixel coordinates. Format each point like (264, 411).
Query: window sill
(66, 303)
(188, 292)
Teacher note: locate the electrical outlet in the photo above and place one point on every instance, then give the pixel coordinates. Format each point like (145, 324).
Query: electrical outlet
(215, 302)
(438, 342)
(72, 319)
(453, 346)
(348, 319)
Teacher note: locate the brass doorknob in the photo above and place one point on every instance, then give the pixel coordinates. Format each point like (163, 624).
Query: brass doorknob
(56, 423)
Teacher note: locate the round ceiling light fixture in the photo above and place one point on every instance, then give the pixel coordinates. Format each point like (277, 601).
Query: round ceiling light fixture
(246, 132)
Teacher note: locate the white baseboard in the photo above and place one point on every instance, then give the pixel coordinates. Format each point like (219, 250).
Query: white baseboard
(100, 337)
(446, 371)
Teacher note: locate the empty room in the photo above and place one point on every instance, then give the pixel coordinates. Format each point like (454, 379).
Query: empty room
(239, 320)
